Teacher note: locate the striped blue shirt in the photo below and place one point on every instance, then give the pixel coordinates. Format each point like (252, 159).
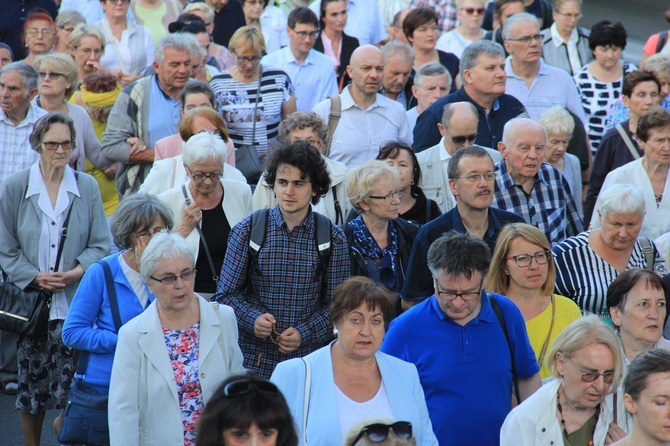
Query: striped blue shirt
(549, 206)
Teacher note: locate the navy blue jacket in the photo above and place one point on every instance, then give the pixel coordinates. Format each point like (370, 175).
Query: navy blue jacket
(489, 130)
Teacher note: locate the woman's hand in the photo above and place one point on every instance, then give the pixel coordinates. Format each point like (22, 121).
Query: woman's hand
(614, 434)
(127, 78)
(70, 277)
(110, 171)
(54, 282)
(263, 325)
(289, 341)
(190, 218)
(136, 145)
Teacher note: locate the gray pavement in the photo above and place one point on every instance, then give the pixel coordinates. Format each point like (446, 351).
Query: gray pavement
(10, 425)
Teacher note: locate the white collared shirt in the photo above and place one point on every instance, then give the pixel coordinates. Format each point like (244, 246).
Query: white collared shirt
(17, 154)
(51, 220)
(573, 53)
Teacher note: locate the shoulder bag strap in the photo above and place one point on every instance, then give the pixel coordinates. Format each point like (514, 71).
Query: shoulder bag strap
(187, 200)
(107, 30)
(648, 250)
(258, 95)
(501, 319)
(543, 352)
(614, 404)
(339, 218)
(333, 120)
(63, 232)
(308, 387)
(627, 140)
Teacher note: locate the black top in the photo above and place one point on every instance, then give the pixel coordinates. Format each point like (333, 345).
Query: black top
(228, 20)
(420, 214)
(539, 8)
(577, 145)
(349, 44)
(216, 229)
(450, 62)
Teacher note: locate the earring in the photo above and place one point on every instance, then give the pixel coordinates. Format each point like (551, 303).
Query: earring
(412, 183)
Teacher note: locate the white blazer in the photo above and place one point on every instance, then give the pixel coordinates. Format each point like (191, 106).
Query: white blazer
(534, 421)
(236, 206)
(656, 221)
(143, 401)
(169, 172)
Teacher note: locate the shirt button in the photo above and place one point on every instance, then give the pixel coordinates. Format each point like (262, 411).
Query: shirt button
(544, 429)
(53, 246)
(51, 269)
(203, 375)
(53, 223)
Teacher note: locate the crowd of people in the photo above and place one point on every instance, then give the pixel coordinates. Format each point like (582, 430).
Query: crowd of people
(344, 222)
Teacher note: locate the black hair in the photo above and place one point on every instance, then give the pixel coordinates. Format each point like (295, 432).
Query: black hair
(305, 157)
(191, 27)
(302, 15)
(392, 151)
(606, 33)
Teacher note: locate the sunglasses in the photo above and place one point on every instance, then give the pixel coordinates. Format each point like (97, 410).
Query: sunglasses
(392, 143)
(471, 11)
(378, 432)
(589, 377)
(244, 385)
(460, 140)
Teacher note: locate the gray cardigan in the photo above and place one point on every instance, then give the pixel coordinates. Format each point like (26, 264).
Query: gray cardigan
(87, 236)
(558, 56)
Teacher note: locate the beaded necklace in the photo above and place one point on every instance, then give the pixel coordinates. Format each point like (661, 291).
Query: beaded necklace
(565, 432)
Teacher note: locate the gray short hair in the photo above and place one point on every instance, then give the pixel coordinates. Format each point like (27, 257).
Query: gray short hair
(517, 18)
(164, 246)
(557, 121)
(450, 109)
(44, 124)
(137, 213)
(471, 54)
(204, 146)
(27, 73)
(585, 331)
(177, 42)
(69, 17)
(621, 199)
(428, 70)
(658, 63)
(301, 120)
(400, 49)
(362, 179)
(194, 45)
(467, 151)
(60, 63)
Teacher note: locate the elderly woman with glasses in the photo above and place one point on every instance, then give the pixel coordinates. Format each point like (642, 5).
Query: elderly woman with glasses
(379, 241)
(66, 22)
(637, 303)
(39, 35)
(207, 206)
(522, 268)
(351, 380)
(253, 99)
(581, 406)
(247, 410)
(86, 45)
(170, 359)
(414, 207)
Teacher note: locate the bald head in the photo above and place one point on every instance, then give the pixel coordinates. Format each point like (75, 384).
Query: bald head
(459, 125)
(516, 127)
(366, 71)
(368, 54)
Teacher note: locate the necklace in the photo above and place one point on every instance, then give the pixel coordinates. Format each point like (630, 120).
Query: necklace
(565, 432)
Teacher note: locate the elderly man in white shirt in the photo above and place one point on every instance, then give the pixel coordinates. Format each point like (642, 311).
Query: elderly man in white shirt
(367, 118)
(458, 129)
(431, 82)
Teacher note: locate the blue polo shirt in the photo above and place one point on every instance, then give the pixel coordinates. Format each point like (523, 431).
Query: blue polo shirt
(418, 280)
(164, 113)
(489, 129)
(465, 371)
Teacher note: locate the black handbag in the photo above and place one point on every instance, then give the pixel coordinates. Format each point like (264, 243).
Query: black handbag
(85, 415)
(26, 312)
(246, 156)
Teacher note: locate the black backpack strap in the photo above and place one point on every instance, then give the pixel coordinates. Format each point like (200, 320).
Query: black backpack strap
(323, 237)
(501, 319)
(116, 314)
(662, 39)
(339, 217)
(258, 227)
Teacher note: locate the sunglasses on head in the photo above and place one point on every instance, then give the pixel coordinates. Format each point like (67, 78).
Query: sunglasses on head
(243, 385)
(378, 432)
(403, 144)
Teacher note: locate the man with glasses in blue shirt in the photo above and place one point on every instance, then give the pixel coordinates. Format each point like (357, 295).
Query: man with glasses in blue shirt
(466, 358)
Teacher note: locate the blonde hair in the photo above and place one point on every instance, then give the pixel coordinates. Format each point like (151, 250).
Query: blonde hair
(203, 8)
(247, 38)
(82, 30)
(497, 281)
(61, 63)
(362, 179)
(557, 121)
(588, 330)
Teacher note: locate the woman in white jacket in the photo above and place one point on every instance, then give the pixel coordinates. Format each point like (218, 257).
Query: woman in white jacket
(170, 360)
(578, 407)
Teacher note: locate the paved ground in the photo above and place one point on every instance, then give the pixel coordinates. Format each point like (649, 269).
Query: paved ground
(10, 426)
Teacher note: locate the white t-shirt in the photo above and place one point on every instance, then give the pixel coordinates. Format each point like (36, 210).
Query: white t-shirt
(351, 412)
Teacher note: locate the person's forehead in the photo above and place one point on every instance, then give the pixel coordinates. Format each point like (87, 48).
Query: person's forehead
(173, 54)
(484, 59)
(475, 164)
(528, 134)
(11, 78)
(307, 27)
(438, 79)
(524, 27)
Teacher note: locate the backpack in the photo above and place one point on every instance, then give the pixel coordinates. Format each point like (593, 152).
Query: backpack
(662, 39)
(258, 224)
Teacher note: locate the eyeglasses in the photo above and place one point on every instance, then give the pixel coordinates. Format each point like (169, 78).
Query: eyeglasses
(589, 377)
(528, 39)
(45, 32)
(88, 51)
(116, 1)
(378, 432)
(243, 59)
(401, 143)
(476, 177)
(471, 11)
(52, 75)
(150, 233)
(302, 35)
(200, 176)
(171, 279)
(243, 385)
(451, 294)
(570, 16)
(524, 260)
(389, 196)
(460, 140)
(53, 145)
(69, 29)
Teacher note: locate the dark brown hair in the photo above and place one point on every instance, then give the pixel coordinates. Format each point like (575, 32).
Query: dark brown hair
(355, 291)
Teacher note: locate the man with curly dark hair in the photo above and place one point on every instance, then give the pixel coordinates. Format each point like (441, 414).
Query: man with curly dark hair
(280, 285)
